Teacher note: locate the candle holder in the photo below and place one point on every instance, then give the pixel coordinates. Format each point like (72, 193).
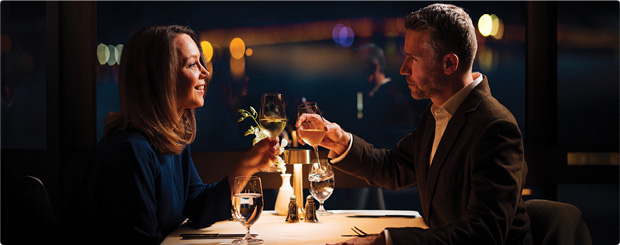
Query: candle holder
(298, 157)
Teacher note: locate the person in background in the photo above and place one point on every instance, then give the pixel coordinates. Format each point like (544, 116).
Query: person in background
(466, 155)
(142, 183)
(385, 102)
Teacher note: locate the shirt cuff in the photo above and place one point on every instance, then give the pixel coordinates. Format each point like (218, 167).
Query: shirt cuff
(388, 239)
(334, 158)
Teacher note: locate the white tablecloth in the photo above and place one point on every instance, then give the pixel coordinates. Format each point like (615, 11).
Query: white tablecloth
(273, 230)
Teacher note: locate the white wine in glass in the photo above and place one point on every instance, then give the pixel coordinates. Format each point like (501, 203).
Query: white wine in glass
(312, 136)
(272, 119)
(247, 205)
(272, 127)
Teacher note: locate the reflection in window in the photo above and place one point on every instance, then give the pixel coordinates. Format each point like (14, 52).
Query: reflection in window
(588, 75)
(23, 76)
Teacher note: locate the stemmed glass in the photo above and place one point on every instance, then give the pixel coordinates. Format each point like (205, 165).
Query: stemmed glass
(272, 119)
(312, 128)
(247, 205)
(321, 189)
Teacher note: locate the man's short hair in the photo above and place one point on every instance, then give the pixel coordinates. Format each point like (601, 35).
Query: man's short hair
(451, 31)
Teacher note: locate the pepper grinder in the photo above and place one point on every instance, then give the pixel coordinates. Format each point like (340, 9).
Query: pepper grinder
(310, 210)
(291, 216)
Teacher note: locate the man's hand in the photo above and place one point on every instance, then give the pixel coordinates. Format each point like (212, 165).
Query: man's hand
(336, 139)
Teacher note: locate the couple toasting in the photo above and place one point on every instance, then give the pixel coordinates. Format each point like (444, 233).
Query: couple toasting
(466, 156)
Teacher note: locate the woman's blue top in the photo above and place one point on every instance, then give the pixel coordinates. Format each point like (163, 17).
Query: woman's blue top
(139, 196)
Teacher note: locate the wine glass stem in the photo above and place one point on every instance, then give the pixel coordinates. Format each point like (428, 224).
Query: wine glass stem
(321, 208)
(248, 235)
(316, 151)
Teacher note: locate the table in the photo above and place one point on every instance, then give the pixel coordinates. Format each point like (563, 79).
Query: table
(273, 230)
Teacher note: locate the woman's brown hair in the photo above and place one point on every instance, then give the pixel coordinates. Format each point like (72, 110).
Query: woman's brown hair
(149, 68)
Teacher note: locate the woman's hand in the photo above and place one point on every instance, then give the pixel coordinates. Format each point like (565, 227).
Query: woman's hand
(258, 157)
(336, 139)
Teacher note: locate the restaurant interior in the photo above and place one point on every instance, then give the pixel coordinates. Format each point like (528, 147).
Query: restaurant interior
(554, 65)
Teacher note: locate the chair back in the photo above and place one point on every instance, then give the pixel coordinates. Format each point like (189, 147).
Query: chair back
(27, 213)
(555, 222)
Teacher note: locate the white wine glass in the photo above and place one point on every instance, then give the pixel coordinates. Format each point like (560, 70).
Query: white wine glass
(312, 130)
(272, 119)
(247, 205)
(321, 189)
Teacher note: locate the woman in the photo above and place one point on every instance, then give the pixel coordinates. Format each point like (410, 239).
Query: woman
(143, 183)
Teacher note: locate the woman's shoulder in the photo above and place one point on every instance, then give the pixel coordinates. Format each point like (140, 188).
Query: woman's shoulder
(127, 149)
(127, 139)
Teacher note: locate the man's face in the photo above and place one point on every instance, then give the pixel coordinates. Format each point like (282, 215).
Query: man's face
(421, 69)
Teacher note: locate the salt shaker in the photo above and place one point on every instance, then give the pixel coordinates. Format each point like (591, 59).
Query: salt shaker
(310, 210)
(291, 216)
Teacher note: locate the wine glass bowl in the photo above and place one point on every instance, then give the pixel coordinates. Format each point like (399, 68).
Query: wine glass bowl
(247, 205)
(321, 183)
(272, 119)
(312, 127)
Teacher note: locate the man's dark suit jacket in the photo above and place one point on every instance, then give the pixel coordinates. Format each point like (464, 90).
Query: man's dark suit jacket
(471, 193)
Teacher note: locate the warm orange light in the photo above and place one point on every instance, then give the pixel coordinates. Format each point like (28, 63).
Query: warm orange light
(237, 48)
(207, 50)
(237, 68)
(249, 52)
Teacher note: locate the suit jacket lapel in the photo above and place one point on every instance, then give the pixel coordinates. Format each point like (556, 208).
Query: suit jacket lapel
(453, 130)
(426, 132)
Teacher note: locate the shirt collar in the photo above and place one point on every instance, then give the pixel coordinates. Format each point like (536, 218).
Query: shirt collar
(455, 101)
(374, 90)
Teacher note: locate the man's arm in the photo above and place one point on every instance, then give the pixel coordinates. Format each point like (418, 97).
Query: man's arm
(498, 174)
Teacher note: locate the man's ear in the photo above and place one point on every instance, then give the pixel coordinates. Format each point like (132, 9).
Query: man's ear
(450, 63)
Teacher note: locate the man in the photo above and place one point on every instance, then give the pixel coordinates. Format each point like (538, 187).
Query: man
(386, 102)
(466, 156)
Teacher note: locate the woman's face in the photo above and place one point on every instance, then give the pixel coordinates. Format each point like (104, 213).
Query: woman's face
(192, 85)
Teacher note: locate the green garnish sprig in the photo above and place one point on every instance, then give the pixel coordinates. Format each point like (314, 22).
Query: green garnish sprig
(251, 114)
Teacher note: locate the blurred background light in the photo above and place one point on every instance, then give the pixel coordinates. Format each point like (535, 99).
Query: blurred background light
(487, 59)
(491, 25)
(103, 53)
(237, 68)
(207, 50)
(346, 36)
(249, 52)
(336, 33)
(498, 28)
(485, 24)
(400, 25)
(113, 55)
(343, 35)
(119, 49)
(237, 48)
(494, 24)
